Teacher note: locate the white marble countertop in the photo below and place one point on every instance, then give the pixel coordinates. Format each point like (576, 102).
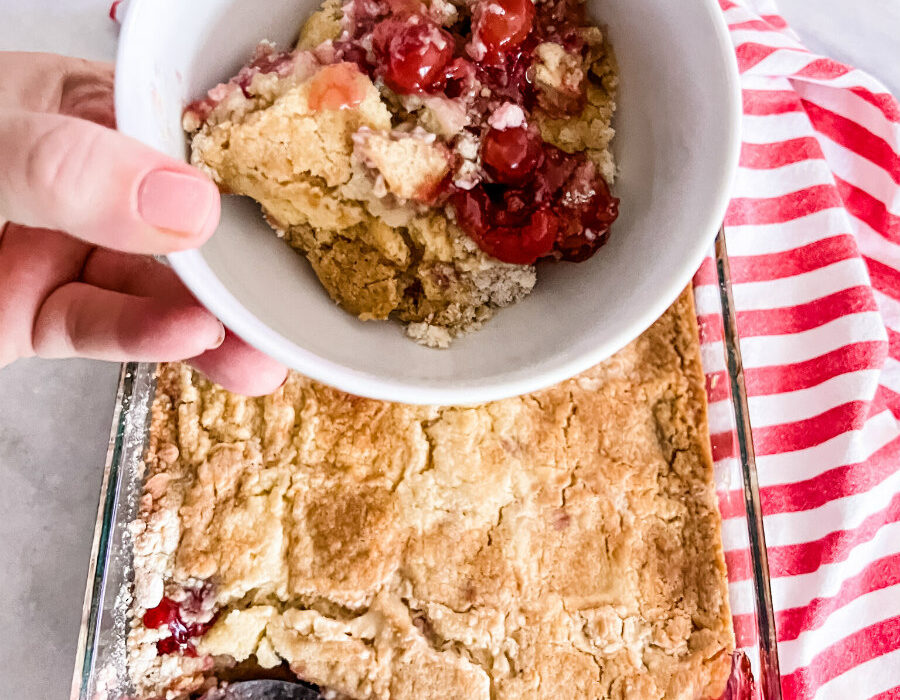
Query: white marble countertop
(55, 416)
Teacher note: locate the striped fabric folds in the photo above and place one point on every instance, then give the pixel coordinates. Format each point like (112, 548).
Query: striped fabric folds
(813, 234)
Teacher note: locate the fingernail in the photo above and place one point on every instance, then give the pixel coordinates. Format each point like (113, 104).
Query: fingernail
(178, 202)
(221, 339)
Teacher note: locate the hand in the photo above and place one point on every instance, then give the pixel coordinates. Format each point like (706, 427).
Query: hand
(93, 291)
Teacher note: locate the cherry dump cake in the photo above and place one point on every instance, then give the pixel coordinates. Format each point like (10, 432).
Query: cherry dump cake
(562, 545)
(424, 155)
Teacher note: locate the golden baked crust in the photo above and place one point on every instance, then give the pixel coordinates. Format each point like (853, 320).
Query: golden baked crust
(563, 544)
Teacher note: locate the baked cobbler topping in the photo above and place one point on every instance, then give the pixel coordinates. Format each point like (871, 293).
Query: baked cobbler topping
(423, 155)
(563, 544)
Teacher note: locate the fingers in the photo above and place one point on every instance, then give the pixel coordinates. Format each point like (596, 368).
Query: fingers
(98, 185)
(241, 369)
(234, 365)
(45, 82)
(33, 263)
(140, 275)
(86, 92)
(131, 307)
(78, 319)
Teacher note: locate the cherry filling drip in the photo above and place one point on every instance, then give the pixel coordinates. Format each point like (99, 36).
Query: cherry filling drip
(740, 682)
(169, 614)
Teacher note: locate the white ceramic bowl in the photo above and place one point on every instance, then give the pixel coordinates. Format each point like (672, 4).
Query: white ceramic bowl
(677, 148)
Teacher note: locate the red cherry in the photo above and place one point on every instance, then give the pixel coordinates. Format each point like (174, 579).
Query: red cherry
(555, 171)
(162, 615)
(170, 645)
(581, 245)
(510, 155)
(352, 53)
(167, 646)
(604, 207)
(460, 78)
(517, 207)
(412, 54)
(502, 24)
(506, 73)
(588, 208)
(473, 211)
(168, 614)
(523, 245)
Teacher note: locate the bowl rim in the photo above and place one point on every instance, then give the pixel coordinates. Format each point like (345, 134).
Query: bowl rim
(195, 273)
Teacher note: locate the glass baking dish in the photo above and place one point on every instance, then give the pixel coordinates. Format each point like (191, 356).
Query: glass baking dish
(100, 668)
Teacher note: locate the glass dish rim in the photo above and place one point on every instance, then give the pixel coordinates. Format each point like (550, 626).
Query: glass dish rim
(135, 377)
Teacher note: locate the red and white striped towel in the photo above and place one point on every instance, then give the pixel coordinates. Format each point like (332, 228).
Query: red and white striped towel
(813, 232)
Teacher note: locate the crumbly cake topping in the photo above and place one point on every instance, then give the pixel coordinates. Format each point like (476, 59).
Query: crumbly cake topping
(317, 176)
(563, 544)
(349, 168)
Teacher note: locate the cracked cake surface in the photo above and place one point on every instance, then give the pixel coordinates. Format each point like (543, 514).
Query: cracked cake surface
(356, 176)
(563, 544)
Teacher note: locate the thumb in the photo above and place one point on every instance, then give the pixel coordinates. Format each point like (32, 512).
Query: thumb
(64, 173)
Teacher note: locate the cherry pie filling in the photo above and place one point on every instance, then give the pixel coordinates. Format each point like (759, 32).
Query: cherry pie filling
(182, 634)
(533, 200)
(741, 685)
